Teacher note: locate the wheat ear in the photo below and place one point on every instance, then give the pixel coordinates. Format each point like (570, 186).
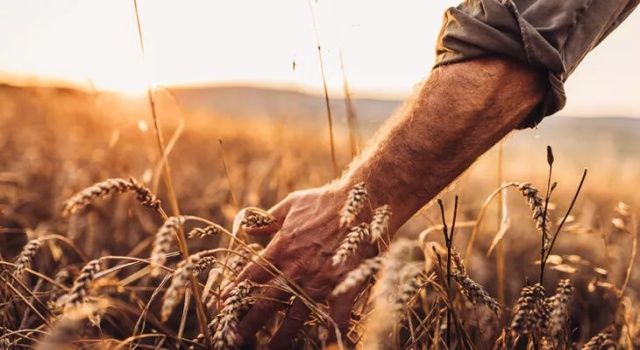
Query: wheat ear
(354, 237)
(537, 205)
(409, 285)
(226, 322)
(601, 341)
(354, 204)
(208, 231)
(472, 290)
(26, 255)
(256, 218)
(104, 188)
(559, 305)
(532, 312)
(82, 285)
(380, 222)
(162, 242)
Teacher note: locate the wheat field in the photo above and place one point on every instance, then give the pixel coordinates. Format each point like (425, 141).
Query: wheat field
(92, 248)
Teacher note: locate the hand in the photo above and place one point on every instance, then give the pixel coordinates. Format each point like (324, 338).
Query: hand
(307, 236)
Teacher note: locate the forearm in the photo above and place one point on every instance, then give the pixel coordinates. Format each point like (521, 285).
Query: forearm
(458, 114)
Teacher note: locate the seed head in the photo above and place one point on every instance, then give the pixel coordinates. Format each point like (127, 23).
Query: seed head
(354, 237)
(82, 285)
(26, 255)
(532, 312)
(225, 324)
(354, 204)
(256, 218)
(537, 207)
(559, 305)
(475, 293)
(162, 242)
(104, 188)
(380, 222)
(601, 341)
(208, 231)
(174, 293)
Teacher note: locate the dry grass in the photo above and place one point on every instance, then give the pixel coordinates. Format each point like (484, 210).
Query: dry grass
(109, 273)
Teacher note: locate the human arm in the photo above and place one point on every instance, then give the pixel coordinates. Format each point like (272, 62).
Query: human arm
(459, 112)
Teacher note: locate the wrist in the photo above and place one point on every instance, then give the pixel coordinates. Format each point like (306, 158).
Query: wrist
(403, 200)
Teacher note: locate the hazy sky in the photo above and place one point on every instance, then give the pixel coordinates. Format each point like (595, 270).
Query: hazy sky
(387, 46)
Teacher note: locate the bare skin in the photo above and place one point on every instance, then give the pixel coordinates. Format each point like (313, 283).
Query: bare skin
(459, 113)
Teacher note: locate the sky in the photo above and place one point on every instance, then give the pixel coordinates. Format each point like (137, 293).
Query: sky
(386, 47)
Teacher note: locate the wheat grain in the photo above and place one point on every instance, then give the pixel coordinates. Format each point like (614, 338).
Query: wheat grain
(104, 188)
(354, 237)
(226, 322)
(354, 204)
(162, 242)
(358, 275)
(380, 222)
(26, 255)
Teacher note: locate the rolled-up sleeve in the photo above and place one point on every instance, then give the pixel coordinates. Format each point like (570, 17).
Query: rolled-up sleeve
(552, 35)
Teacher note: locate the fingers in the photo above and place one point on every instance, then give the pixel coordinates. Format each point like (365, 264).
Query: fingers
(294, 320)
(260, 313)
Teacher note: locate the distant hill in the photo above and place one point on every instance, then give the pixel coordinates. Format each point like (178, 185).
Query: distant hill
(578, 138)
(276, 103)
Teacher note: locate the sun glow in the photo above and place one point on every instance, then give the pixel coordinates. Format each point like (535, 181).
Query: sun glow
(387, 47)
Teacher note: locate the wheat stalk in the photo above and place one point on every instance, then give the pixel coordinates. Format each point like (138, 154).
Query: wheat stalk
(26, 255)
(354, 204)
(104, 188)
(162, 242)
(354, 237)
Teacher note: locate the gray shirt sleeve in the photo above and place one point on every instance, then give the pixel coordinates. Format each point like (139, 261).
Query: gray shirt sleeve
(552, 35)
